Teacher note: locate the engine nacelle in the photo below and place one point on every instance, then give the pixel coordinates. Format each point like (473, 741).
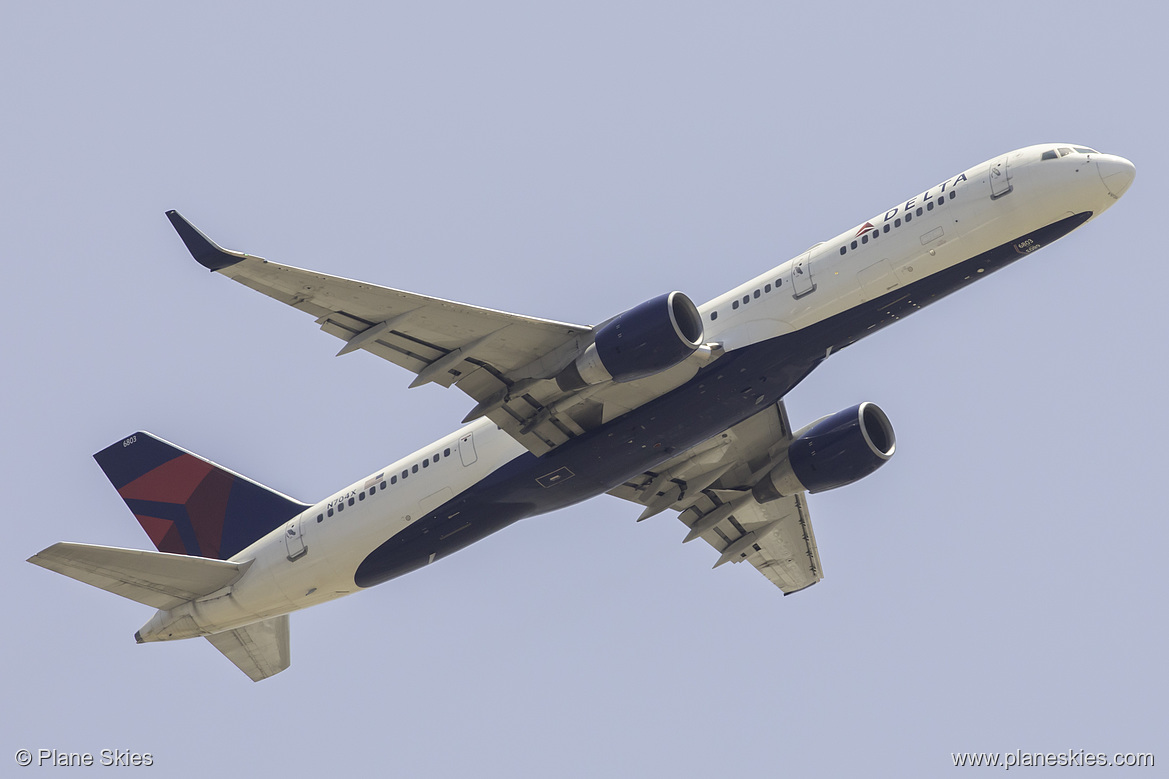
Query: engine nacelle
(832, 452)
(646, 339)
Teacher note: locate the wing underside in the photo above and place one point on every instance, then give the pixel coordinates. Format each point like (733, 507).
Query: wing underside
(710, 488)
(505, 362)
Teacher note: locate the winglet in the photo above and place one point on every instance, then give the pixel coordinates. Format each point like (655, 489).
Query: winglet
(208, 253)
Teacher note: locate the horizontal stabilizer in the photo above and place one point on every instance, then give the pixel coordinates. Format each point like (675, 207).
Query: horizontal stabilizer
(260, 650)
(157, 579)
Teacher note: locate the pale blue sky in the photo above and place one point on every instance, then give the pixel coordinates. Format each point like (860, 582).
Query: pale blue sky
(999, 585)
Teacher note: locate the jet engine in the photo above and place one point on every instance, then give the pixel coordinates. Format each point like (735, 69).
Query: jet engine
(646, 339)
(831, 452)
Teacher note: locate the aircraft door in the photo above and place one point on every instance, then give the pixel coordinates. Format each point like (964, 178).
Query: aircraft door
(1000, 179)
(294, 539)
(467, 449)
(801, 276)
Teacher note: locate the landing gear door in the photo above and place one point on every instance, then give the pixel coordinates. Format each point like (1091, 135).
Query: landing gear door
(294, 539)
(801, 276)
(467, 449)
(1000, 179)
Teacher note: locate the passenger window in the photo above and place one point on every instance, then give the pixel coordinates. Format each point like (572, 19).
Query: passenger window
(360, 496)
(383, 485)
(767, 288)
(329, 512)
(414, 469)
(351, 501)
(897, 222)
(886, 228)
(320, 517)
(405, 474)
(340, 506)
(713, 315)
(929, 206)
(446, 452)
(757, 293)
(735, 304)
(843, 249)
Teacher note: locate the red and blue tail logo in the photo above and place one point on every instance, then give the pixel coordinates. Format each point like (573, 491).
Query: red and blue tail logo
(188, 505)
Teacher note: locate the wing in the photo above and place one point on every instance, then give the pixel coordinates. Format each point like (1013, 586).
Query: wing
(710, 485)
(506, 362)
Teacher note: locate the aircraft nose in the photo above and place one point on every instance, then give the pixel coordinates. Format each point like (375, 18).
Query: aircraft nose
(1117, 173)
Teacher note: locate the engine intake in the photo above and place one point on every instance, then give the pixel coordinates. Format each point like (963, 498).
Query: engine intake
(832, 452)
(647, 339)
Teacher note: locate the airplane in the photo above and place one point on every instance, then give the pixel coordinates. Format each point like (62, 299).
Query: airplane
(669, 405)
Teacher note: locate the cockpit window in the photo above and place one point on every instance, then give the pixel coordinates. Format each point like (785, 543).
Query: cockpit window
(1063, 151)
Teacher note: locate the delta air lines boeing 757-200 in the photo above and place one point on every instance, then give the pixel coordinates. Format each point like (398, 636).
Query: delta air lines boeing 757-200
(671, 405)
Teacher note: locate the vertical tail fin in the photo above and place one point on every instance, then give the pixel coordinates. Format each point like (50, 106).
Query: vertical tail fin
(189, 505)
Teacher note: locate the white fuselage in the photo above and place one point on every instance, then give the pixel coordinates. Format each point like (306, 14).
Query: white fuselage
(312, 558)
